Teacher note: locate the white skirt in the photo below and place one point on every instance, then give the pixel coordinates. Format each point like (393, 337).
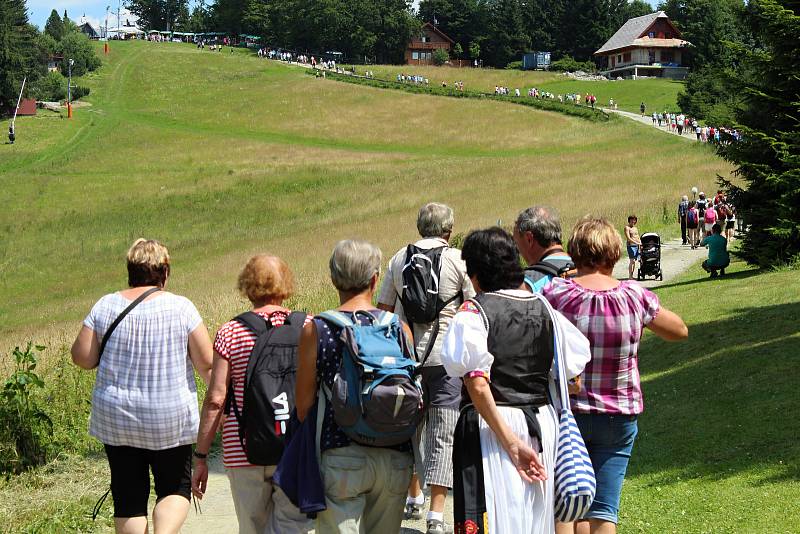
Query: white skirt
(514, 506)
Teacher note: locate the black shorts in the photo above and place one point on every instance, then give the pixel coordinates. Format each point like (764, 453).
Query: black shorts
(730, 224)
(130, 476)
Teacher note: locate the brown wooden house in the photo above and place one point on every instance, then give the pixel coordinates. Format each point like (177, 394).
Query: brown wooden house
(646, 46)
(421, 48)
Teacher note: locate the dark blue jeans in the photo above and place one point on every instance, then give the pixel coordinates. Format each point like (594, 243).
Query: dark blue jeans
(609, 440)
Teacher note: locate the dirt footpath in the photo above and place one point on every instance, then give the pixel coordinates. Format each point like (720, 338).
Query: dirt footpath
(218, 515)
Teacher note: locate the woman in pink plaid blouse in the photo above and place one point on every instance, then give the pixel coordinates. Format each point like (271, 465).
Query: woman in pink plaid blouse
(612, 315)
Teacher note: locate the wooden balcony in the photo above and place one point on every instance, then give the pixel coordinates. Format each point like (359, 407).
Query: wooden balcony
(419, 45)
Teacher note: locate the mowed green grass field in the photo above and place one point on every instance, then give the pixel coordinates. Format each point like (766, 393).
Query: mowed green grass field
(658, 94)
(224, 155)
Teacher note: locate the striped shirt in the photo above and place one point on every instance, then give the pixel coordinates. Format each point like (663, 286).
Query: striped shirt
(613, 321)
(144, 394)
(234, 342)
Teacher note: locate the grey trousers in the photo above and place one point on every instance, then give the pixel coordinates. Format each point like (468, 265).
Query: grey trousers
(365, 490)
(262, 507)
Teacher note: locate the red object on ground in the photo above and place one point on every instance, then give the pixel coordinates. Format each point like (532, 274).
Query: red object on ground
(27, 108)
(69, 110)
(105, 48)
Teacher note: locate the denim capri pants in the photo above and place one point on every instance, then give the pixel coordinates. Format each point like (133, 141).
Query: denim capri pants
(609, 440)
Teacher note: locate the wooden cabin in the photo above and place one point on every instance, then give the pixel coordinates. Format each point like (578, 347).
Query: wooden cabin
(646, 46)
(421, 48)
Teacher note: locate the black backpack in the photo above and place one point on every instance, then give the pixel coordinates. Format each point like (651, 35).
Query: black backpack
(268, 397)
(420, 295)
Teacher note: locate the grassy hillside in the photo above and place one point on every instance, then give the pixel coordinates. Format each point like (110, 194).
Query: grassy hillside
(658, 94)
(223, 155)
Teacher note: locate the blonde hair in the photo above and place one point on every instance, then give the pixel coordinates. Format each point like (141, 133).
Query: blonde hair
(264, 278)
(148, 263)
(595, 243)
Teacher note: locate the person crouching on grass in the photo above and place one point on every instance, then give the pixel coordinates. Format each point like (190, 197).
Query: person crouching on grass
(718, 257)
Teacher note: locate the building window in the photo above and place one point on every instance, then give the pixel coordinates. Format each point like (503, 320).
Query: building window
(667, 56)
(414, 55)
(651, 35)
(626, 57)
(425, 39)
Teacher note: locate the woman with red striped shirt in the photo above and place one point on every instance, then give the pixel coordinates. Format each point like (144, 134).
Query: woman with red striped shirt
(261, 507)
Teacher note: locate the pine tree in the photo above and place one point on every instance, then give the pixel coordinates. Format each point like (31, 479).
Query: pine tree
(54, 27)
(18, 52)
(768, 155)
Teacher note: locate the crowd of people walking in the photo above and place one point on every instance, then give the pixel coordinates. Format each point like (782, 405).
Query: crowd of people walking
(449, 382)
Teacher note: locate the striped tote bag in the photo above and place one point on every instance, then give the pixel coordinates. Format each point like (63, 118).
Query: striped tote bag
(574, 476)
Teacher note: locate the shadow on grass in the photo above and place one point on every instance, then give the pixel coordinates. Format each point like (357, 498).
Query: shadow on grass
(739, 275)
(715, 407)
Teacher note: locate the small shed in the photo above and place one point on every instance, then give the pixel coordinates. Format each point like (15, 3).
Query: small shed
(27, 107)
(536, 61)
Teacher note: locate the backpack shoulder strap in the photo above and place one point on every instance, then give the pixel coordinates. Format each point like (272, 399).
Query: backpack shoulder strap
(385, 318)
(296, 320)
(336, 317)
(253, 321)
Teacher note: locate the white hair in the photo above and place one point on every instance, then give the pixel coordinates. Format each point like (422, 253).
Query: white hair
(435, 220)
(353, 264)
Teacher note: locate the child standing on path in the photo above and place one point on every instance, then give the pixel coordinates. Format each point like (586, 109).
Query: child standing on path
(633, 242)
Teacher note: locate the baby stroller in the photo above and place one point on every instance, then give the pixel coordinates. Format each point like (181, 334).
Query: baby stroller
(650, 257)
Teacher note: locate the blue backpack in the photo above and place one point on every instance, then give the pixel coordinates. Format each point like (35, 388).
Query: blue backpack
(376, 394)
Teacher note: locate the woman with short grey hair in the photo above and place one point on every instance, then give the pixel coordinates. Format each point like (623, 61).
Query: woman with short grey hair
(365, 486)
(353, 264)
(435, 220)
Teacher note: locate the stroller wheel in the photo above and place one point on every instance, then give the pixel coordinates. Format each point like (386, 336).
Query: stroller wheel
(639, 275)
(661, 277)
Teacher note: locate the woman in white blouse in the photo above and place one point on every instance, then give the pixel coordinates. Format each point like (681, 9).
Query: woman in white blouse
(144, 402)
(502, 344)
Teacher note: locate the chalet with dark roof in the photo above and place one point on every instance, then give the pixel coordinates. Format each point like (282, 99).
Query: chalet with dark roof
(646, 46)
(421, 47)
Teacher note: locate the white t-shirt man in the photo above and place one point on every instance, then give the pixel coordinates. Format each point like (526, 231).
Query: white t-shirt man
(453, 280)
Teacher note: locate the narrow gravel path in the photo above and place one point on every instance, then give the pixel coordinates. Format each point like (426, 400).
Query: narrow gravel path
(218, 515)
(648, 120)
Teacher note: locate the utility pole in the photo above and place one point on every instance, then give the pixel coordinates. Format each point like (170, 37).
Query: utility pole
(69, 89)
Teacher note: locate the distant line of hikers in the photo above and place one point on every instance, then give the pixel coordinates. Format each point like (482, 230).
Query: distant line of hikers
(464, 377)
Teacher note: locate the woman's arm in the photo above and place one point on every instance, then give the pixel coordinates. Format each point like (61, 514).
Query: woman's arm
(306, 387)
(213, 406)
(525, 459)
(86, 349)
(201, 352)
(668, 325)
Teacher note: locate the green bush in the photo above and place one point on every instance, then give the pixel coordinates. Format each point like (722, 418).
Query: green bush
(440, 56)
(79, 91)
(50, 88)
(25, 426)
(569, 64)
(514, 65)
(77, 46)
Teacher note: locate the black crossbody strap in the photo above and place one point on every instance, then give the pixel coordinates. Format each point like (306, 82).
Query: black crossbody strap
(121, 316)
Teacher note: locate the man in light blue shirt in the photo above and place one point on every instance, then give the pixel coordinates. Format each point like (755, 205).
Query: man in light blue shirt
(537, 233)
